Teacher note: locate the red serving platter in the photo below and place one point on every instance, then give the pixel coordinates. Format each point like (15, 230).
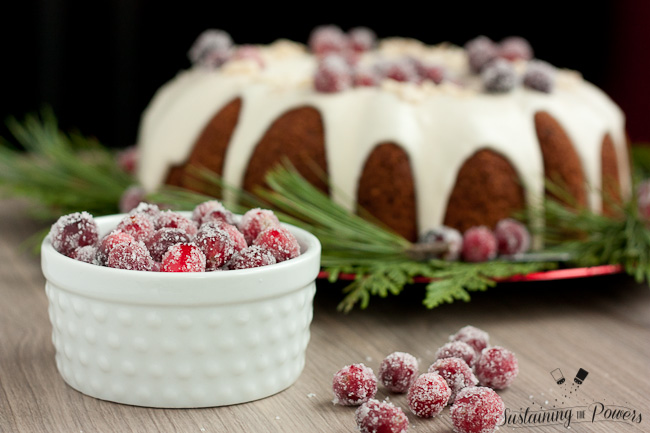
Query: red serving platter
(555, 274)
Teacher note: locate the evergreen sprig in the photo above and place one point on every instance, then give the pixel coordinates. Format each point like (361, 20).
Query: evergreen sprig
(60, 173)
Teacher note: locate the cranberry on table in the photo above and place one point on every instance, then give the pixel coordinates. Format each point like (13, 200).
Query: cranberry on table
(398, 371)
(354, 384)
(475, 337)
(456, 373)
(376, 416)
(497, 367)
(457, 349)
(72, 231)
(476, 409)
(428, 395)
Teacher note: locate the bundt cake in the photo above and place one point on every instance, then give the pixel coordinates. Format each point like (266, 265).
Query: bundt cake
(418, 135)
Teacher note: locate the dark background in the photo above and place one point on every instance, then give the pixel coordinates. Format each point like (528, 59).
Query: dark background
(97, 64)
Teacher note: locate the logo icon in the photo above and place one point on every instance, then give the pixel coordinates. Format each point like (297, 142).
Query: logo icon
(580, 376)
(558, 376)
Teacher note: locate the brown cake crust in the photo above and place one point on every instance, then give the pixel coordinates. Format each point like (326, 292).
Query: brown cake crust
(611, 187)
(487, 190)
(386, 189)
(561, 162)
(298, 136)
(209, 151)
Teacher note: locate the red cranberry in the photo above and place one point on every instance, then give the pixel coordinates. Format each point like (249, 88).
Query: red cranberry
(480, 52)
(403, 71)
(72, 231)
(109, 242)
(137, 225)
(251, 257)
(149, 209)
(353, 385)
(255, 221)
(235, 235)
(428, 395)
(375, 416)
(362, 39)
(475, 337)
(512, 237)
(499, 76)
(476, 409)
(173, 219)
(211, 49)
(249, 52)
(280, 242)
(458, 349)
(216, 244)
(447, 235)
(456, 372)
(333, 74)
(539, 76)
(164, 238)
(515, 48)
(130, 255)
(327, 39)
(127, 159)
(85, 254)
(398, 371)
(497, 367)
(479, 244)
(183, 258)
(211, 210)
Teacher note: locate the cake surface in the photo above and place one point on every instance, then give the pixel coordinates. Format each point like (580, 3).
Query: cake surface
(416, 154)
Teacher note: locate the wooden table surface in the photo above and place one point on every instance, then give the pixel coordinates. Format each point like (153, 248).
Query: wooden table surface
(601, 324)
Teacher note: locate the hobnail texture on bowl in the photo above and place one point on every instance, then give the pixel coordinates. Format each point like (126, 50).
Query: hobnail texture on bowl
(180, 340)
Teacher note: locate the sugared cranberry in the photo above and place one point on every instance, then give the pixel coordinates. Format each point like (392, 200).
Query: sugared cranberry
(235, 235)
(183, 257)
(85, 254)
(211, 49)
(255, 221)
(540, 76)
(137, 225)
(164, 238)
(130, 255)
(480, 52)
(458, 349)
(216, 244)
(479, 244)
(429, 71)
(497, 367)
(456, 372)
(362, 39)
(127, 159)
(398, 371)
(353, 385)
(428, 395)
(447, 236)
(150, 209)
(376, 416)
(108, 242)
(280, 242)
(512, 237)
(499, 76)
(365, 77)
(72, 231)
(475, 337)
(249, 52)
(176, 220)
(403, 71)
(333, 74)
(476, 409)
(327, 39)
(211, 210)
(251, 257)
(130, 198)
(515, 48)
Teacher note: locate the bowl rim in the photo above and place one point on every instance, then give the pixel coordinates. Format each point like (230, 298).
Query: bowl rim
(188, 288)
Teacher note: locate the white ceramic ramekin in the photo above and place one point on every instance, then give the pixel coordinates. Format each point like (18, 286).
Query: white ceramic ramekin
(180, 340)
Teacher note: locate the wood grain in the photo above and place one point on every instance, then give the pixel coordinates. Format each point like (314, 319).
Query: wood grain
(600, 324)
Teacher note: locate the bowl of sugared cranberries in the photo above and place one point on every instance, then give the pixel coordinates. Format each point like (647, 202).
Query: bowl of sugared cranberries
(178, 309)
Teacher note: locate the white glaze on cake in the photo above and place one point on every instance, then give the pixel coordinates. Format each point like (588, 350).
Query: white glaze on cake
(439, 127)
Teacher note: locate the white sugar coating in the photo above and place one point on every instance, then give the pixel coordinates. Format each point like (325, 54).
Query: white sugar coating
(497, 367)
(171, 218)
(164, 238)
(475, 337)
(456, 372)
(458, 349)
(354, 384)
(376, 416)
(138, 225)
(477, 409)
(251, 257)
(150, 209)
(428, 395)
(216, 244)
(255, 221)
(398, 371)
(85, 254)
(132, 255)
(72, 231)
(201, 210)
(184, 257)
(280, 241)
